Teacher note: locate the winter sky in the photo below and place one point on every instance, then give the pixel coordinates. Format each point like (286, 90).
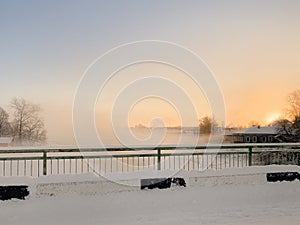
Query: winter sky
(252, 47)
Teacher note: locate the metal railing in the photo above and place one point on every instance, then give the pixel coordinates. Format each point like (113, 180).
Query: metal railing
(47, 161)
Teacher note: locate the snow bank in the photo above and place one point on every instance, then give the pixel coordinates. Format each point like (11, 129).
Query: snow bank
(212, 197)
(92, 184)
(270, 203)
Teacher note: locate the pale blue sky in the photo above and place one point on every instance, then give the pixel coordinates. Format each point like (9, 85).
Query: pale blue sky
(252, 47)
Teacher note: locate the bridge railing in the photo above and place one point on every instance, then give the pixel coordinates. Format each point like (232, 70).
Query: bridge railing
(53, 161)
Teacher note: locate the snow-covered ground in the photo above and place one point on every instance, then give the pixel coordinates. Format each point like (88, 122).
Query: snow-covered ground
(208, 199)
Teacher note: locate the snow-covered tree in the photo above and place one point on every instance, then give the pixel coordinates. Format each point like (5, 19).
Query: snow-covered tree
(5, 128)
(27, 125)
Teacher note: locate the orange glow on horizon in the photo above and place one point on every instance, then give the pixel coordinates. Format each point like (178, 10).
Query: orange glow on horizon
(272, 117)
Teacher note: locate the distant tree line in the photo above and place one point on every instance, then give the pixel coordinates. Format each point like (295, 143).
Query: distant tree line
(26, 124)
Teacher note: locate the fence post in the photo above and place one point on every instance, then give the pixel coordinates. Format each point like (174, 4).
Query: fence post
(44, 163)
(158, 158)
(250, 156)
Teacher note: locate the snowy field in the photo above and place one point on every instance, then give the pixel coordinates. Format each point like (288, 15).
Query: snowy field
(202, 202)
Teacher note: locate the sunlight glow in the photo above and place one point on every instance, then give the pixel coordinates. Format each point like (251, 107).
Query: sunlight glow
(272, 117)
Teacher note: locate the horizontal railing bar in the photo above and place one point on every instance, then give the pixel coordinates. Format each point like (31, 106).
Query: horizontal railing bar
(144, 155)
(139, 148)
(136, 155)
(101, 156)
(20, 158)
(273, 151)
(204, 153)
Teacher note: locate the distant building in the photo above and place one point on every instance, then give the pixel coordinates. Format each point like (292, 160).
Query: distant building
(5, 141)
(255, 134)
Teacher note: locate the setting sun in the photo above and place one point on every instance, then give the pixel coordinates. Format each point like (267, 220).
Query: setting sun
(272, 117)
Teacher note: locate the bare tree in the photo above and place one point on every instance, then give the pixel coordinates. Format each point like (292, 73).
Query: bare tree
(283, 126)
(296, 127)
(28, 126)
(289, 129)
(293, 100)
(207, 125)
(5, 128)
